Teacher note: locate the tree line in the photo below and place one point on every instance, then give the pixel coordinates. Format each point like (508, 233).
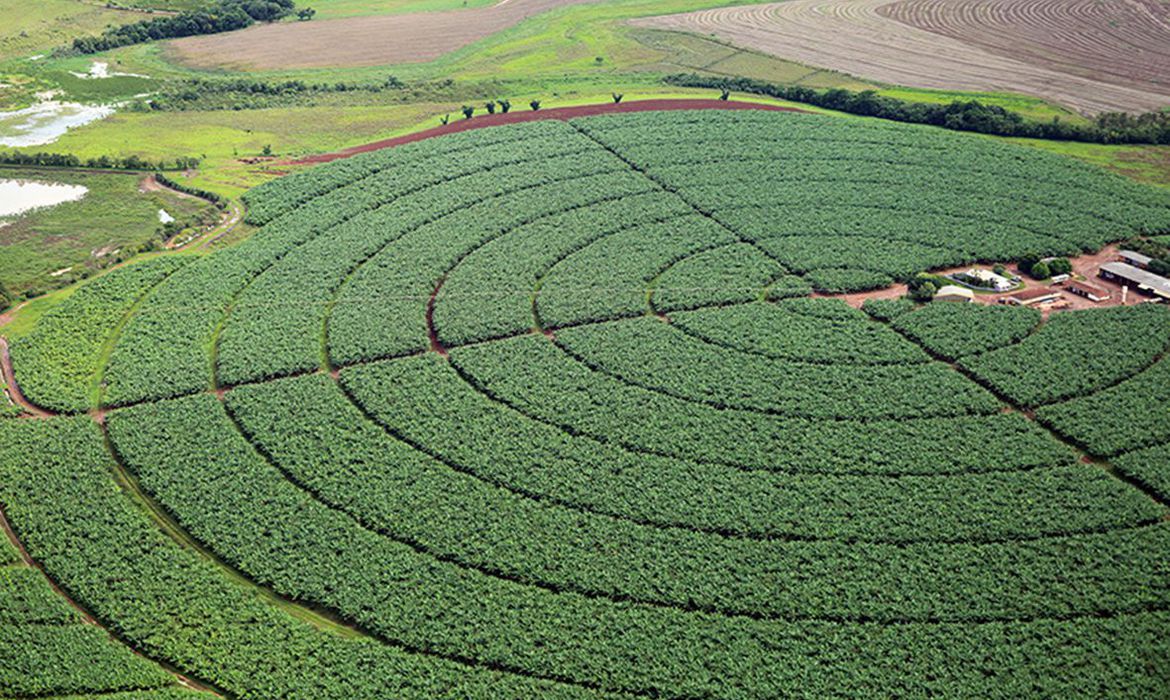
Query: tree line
(960, 115)
(221, 16)
(68, 160)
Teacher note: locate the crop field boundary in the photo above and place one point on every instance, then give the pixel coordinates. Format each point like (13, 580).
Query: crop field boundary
(559, 113)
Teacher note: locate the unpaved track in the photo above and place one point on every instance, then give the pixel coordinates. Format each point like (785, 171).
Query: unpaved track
(356, 41)
(521, 113)
(862, 37)
(13, 390)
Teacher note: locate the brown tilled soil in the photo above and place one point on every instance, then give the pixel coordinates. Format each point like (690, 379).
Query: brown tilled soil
(357, 41)
(1092, 56)
(522, 113)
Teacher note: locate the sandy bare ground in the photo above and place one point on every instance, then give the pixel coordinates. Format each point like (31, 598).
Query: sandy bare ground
(1061, 50)
(356, 41)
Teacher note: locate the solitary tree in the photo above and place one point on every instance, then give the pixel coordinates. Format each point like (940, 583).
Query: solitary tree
(306, 14)
(445, 119)
(468, 111)
(617, 98)
(725, 94)
(490, 106)
(505, 105)
(535, 105)
(267, 150)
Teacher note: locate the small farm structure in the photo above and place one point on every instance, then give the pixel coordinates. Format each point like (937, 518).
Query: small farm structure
(997, 282)
(1145, 282)
(1088, 291)
(1134, 258)
(1033, 297)
(952, 292)
(1059, 279)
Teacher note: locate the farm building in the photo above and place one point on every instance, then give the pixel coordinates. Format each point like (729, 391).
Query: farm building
(1134, 258)
(1033, 297)
(1059, 279)
(1088, 291)
(1145, 282)
(997, 282)
(952, 292)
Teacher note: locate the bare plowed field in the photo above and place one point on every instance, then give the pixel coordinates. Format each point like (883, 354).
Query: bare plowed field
(357, 41)
(1088, 55)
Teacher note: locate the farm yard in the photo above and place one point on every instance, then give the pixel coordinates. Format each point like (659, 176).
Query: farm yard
(549, 409)
(1088, 55)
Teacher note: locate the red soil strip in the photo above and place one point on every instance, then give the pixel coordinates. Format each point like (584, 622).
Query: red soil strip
(561, 113)
(14, 390)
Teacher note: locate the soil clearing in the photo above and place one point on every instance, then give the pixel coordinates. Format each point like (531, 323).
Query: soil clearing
(357, 41)
(563, 113)
(1090, 56)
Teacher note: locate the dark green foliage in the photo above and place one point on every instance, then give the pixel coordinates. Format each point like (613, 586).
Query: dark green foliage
(965, 115)
(66, 160)
(59, 360)
(1073, 354)
(27, 599)
(1124, 417)
(956, 330)
(1150, 467)
(468, 111)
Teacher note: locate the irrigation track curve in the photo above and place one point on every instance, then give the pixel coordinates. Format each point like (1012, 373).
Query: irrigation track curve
(559, 113)
(860, 37)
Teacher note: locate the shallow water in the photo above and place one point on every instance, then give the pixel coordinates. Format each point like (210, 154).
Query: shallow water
(19, 196)
(45, 122)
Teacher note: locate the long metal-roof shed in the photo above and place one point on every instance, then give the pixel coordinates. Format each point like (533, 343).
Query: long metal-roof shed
(1145, 281)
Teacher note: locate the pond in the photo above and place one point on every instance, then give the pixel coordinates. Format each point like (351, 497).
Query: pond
(20, 196)
(46, 121)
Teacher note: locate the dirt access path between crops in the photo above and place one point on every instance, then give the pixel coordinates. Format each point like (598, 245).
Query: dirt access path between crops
(527, 115)
(7, 531)
(356, 41)
(13, 389)
(229, 218)
(1067, 51)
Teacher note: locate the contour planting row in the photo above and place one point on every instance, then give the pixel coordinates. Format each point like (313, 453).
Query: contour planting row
(189, 308)
(388, 265)
(182, 609)
(59, 361)
(241, 506)
(47, 649)
(539, 460)
(955, 330)
(56, 483)
(1074, 354)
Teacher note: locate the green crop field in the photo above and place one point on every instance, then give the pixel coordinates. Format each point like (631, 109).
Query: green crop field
(560, 410)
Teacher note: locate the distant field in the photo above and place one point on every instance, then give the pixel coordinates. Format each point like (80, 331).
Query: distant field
(361, 41)
(83, 235)
(28, 26)
(1104, 59)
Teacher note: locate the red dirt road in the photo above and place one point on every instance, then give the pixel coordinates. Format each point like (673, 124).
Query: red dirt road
(516, 117)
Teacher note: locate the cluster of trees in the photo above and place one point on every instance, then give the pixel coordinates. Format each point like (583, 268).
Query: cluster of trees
(1042, 268)
(922, 287)
(6, 297)
(68, 160)
(965, 115)
(222, 16)
(193, 191)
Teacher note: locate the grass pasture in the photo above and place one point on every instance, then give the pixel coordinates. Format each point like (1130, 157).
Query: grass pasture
(509, 407)
(109, 223)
